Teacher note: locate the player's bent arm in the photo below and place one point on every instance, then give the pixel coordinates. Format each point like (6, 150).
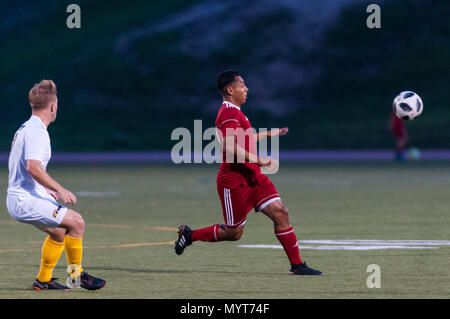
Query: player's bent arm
(35, 169)
(235, 151)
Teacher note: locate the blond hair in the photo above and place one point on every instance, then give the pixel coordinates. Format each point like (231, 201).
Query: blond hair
(42, 94)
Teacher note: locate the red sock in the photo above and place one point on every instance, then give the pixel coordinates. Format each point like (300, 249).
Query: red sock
(289, 242)
(210, 234)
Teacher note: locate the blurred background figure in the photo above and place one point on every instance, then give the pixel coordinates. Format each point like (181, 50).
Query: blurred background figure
(398, 129)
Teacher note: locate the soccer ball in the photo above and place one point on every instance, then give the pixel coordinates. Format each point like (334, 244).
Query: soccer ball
(407, 105)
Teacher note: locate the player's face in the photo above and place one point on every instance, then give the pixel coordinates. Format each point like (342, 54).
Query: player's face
(240, 90)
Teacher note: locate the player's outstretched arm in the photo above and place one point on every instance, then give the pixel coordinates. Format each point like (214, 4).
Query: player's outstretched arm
(35, 169)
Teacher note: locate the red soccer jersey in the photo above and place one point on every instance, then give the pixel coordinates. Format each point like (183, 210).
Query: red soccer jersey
(231, 121)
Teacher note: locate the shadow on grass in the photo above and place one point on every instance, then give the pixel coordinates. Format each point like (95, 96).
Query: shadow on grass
(181, 271)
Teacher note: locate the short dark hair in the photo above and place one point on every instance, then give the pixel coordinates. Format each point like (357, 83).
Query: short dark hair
(224, 78)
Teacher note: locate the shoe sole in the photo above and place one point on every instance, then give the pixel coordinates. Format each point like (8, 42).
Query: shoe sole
(96, 288)
(101, 287)
(294, 274)
(39, 289)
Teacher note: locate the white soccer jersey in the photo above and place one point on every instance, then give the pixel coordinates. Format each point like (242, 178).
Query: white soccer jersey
(31, 142)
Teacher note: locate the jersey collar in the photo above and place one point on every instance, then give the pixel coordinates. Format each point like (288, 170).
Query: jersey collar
(38, 119)
(229, 104)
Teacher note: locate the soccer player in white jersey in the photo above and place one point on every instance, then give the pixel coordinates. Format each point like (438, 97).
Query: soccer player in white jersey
(33, 194)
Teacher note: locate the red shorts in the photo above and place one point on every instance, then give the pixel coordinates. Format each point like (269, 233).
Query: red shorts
(238, 202)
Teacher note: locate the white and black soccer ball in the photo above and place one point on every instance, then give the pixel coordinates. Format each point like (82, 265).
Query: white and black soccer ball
(407, 105)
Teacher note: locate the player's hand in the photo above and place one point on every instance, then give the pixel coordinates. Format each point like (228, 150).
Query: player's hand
(262, 161)
(273, 167)
(279, 131)
(53, 194)
(67, 197)
(283, 131)
(268, 165)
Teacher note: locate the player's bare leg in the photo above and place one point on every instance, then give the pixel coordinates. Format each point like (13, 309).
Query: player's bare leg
(73, 224)
(230, 233)
(56, 234)
(278, 213)
(284, 231)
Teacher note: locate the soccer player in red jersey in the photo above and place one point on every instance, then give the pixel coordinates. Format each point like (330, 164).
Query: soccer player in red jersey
(240, 184)
(398, 129)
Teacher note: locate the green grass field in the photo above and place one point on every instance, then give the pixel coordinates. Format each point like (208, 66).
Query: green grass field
(130, 229)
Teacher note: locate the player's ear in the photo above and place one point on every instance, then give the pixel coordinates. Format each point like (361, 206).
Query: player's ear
(229, 90)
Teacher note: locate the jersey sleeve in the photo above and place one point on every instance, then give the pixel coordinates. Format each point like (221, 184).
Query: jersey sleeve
(229, 122)
(35, 145)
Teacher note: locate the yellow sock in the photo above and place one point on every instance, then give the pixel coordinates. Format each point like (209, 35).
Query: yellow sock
(74, 250)
(51, 251)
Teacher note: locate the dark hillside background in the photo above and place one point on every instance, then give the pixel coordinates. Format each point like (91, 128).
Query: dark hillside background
(136, 70)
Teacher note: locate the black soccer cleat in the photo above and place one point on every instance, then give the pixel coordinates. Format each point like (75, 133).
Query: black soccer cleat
(184, 239)
(49, 285)
(90, 282)
(302, 269)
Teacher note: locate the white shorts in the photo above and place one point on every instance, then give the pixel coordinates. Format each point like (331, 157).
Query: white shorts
(40, 211)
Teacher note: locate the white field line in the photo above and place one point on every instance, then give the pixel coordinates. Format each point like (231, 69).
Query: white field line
(378, 242)
(341, 247)
(361, 244)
